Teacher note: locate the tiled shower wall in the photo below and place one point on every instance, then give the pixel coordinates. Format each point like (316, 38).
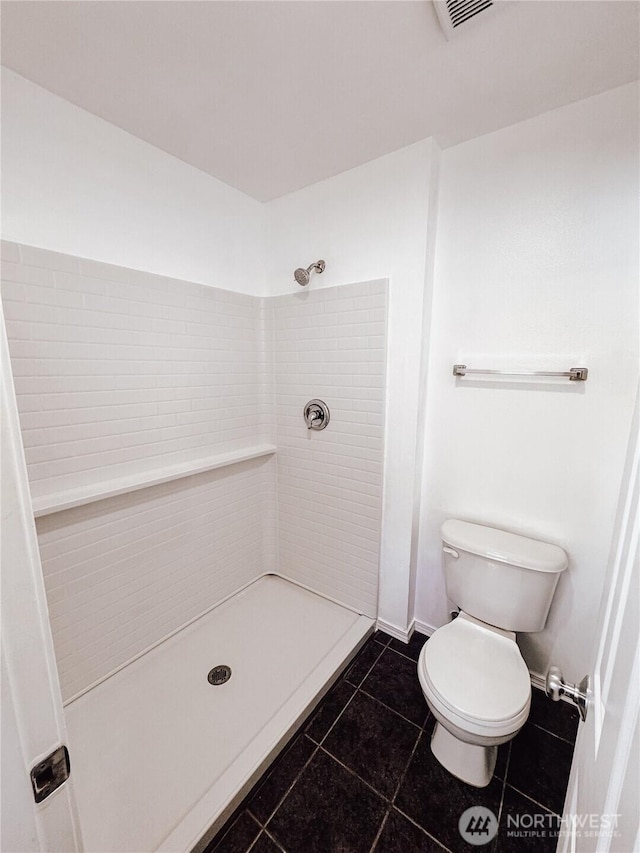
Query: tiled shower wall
(122, 369)
(125, 572)
(118, 370)
(331, 344)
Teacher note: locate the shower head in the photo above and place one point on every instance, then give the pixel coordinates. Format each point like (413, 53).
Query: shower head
(302, 276)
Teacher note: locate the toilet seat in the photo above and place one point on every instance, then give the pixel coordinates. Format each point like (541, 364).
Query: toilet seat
(476, 678)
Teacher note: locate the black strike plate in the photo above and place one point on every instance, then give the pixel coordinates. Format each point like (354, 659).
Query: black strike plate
(49, 774)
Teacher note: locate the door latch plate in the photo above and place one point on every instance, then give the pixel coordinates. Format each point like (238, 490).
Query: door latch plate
(48, 775)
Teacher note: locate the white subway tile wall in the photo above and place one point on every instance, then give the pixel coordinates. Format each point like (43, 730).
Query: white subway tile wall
(119, 371)
(125, 370)
(331, 344)
(124, 573)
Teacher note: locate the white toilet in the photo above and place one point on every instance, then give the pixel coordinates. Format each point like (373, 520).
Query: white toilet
(471, 671)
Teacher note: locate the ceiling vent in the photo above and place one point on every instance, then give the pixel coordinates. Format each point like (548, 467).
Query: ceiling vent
(456, 15)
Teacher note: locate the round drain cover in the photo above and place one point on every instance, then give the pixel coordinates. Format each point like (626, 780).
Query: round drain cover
(219, 674)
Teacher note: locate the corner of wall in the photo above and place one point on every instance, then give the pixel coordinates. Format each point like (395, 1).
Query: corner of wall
(427, 320)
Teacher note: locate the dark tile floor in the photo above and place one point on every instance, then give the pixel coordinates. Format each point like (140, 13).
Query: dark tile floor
(359, 775)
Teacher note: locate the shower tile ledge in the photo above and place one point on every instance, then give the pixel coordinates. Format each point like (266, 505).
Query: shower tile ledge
(59, 500)
(161, 758)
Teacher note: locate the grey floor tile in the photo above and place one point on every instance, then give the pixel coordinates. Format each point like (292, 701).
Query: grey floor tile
(411, 649)
(525, 826)
(539, 766)
(382, 638)
(399, 835)
(435, 799)
(328, 711)
(264, 844)
(394, 681)
(559, 718)
(360, 667)
(236, 838)
(328, 810)
(374, 742)
(279, 778)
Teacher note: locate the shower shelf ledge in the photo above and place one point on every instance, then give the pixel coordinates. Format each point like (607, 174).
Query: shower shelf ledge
(70, 498)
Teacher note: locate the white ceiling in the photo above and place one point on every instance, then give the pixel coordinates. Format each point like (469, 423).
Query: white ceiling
(273, 96)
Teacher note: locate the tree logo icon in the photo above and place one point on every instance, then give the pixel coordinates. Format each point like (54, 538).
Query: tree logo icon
(478, 825)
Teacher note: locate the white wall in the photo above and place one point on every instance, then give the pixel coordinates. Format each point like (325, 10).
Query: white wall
(368, 223)
(536, 266)
(74, 183)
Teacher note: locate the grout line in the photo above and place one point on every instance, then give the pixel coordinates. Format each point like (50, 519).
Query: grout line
(253, 817)
(415, 823)
(286, 793)
(402, 654)
(379, 832)
(508, 764)
(406, 657)
(353, 773)
(389, 708)
(530, 798)
(333, 724)
(553, 734)
(362, 680)
(504, 786)
(404, 772)
(274, 839)
(430, 717)
(253, 843)
(228, 826)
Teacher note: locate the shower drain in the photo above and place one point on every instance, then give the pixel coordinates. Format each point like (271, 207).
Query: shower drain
(219, 674)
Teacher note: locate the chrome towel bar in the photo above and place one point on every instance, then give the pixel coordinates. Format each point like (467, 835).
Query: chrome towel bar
(576, 374)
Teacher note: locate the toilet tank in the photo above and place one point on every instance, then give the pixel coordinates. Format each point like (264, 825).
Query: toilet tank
(500, 578)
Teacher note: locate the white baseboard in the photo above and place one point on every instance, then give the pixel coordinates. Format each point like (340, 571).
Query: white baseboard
(401, 633)
(423, 627)
(537, 681)
(394, 630)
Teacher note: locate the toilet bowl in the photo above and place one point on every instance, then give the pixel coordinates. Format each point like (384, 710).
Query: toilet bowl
(472, 674)
(477, 686)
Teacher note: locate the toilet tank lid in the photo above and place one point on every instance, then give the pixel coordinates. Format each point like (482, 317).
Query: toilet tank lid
(494, 544)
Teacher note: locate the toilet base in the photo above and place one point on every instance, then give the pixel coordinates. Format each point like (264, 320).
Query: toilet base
(473, 764)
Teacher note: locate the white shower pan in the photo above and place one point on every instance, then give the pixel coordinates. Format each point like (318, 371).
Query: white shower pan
(159, 755)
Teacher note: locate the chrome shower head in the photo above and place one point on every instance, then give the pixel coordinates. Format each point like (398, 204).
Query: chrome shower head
(302, 276)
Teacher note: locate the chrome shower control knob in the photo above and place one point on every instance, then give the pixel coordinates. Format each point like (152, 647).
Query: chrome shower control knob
(316, 414)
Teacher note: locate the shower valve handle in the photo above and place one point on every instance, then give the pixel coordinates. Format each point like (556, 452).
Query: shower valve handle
(316, 414)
